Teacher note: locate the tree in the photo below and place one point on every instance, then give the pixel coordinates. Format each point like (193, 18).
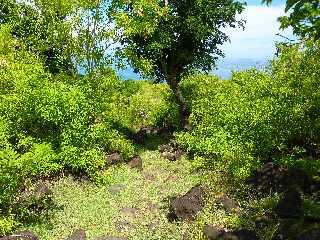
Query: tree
(167, 39)
(93, 36)
(63, 33)
(39, 29)
(304, 17)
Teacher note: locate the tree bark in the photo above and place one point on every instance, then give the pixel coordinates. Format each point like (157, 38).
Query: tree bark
(173, 82)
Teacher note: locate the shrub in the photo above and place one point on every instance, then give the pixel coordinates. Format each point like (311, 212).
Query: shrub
(141, 103)
(247, 119)
(47, 124)
(10, 177)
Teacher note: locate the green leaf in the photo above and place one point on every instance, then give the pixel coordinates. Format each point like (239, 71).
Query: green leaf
(290, 4)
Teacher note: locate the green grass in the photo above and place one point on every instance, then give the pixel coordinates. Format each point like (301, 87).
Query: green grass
(82, 204)
(93, 208)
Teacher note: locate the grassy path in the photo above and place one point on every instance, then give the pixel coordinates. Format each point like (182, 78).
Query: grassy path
(134, 205)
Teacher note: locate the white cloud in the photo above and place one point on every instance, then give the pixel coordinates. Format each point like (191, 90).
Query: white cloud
(257, 41)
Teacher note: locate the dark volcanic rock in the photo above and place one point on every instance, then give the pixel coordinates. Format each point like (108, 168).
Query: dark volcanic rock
(187, 206)
(23, 235)
(214, 233)
(164, 132)
(228, 204)
(171, 151)
(274, 178)
(114, 158)
(292, 229)
(78, 234)
(311, 234)
(111, 238)
(244, 234)
(262, 222)
(41, 190)
(290, 204)
(136, 162)
(267, 178)
(140, 136)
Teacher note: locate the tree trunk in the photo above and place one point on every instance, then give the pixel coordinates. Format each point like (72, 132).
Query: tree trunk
(180, 100)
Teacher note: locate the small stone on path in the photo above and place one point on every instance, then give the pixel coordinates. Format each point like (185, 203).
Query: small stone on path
(23, 235)
(117, 188)
(148, 176)
(153, 226)
(123, 225)
(130, 211)
(172, 178)
(114, 158)
(78, 234)
(111, 238)
(136, 162)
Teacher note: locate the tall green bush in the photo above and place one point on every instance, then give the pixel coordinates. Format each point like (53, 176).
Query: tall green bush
(245, 120)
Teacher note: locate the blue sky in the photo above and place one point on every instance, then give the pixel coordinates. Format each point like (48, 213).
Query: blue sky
(258, 39)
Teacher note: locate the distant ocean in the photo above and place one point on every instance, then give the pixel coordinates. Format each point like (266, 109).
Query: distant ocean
(224, 68)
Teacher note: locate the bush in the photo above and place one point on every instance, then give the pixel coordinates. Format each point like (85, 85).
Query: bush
(248, 119)
(135, 104)
(10, 177)
(49, 124)
(53, 123)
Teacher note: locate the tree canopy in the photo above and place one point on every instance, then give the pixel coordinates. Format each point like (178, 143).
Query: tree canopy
(304, 17)
(166, 39)
(65, 34)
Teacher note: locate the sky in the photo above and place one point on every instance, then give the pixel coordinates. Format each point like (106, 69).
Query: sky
(258, 39)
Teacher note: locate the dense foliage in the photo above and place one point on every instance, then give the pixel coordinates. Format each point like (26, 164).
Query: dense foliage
(166, 39)
(303, 17)
(54, 123)
(65, 34)
(257, 116)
